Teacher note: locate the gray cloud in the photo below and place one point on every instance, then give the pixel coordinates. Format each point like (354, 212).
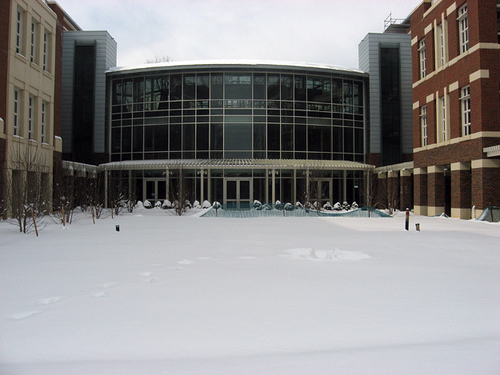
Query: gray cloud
(320, 31)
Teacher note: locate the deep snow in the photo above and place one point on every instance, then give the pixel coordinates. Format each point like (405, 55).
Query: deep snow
(191, 295)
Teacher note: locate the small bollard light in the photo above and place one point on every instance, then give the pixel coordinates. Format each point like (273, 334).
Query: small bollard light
(417, 227)
(117, 228)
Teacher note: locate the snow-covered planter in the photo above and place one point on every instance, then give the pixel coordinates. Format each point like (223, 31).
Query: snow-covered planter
(278, 205)
(289, 207)
(327, 206)
(206, 204)
(167, 204)
(257, 205)
(147, 204)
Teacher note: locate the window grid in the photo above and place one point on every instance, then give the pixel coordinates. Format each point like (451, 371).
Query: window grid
(19, 31)
(33, 41)
(423, 124)
(421, 52)
(45, 50)
(31, 101)
(16, 112)
(444, 120)
(466, 111)
(137, 109)
(441, 45)
(463, 27)
(43, 121)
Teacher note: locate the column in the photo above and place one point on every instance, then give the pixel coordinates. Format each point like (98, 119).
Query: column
(420, 191)
(461, 190)
(485, 184)
(405, 188)
(381, 197)
(436, 190)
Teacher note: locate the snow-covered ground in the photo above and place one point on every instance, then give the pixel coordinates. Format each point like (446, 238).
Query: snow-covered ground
(191, 295)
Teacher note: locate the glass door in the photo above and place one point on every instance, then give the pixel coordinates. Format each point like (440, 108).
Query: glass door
(237, 193)
(154, 190)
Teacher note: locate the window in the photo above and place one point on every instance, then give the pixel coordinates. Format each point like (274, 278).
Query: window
(43, 122)
(46, 50)
(31, 103)
(423, 124)
(465, 104)
(33, 43)
(16, 112)
(19, 31)
(463, 29)
(421, 53)
(441, 45)
(442, 119)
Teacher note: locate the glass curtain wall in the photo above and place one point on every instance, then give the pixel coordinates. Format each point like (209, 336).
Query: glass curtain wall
(237, 114)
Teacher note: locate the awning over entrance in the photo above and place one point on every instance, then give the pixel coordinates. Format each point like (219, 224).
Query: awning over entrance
(237, 163)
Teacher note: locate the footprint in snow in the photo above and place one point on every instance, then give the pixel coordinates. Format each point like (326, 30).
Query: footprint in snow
(99, 294)
(48, 301)
(107, 285)
(25, 314)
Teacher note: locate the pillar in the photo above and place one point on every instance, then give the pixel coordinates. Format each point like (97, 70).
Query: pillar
(405, 189)
(436, 190)
(461, 190)
(485, 184)
(420, 191)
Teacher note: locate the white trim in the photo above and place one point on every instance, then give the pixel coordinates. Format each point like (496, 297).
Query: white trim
(482, 73)
(485, 163)
(454, 86)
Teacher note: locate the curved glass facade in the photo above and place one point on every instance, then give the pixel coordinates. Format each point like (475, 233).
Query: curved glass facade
(238, 111)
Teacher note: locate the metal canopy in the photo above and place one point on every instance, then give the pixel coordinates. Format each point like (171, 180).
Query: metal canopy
(236, 163)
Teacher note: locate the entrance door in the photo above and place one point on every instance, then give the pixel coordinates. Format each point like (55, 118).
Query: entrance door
(154, 190)
(237, 192)
(321, 190)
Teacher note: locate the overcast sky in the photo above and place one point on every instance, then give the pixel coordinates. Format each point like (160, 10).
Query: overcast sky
(314, 31)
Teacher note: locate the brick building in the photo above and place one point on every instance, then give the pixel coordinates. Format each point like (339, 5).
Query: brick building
(456, 106)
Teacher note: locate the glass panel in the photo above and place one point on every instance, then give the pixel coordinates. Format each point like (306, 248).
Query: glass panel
(273, 87)
(150, 190)
(176, 87)
(300, 88)
(238, 86)
(216, 136)
(273, 136)
(237, 136)
(216, 83)
(337, 91)
(259, 136)
(188, 137)
(202, 137)
(259, 86)
(202, 86)
(231, 189)
(244, 190)
(286, 87)
(318, 89)
(189, 87)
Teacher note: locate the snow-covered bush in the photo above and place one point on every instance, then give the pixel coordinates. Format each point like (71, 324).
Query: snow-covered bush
(328, 206)
(337, 206)
(278, 205)
(299, 205)
(196, 204)
(216, 205)
(354, 206)
(257, 205)
(345, 206)
(167, 204)
(289, 207)
(206, 204)
(267, 207)
(158, 204)
(317, 206)
(147, 204)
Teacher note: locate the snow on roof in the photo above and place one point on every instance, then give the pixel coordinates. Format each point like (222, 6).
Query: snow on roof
(231, 63)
